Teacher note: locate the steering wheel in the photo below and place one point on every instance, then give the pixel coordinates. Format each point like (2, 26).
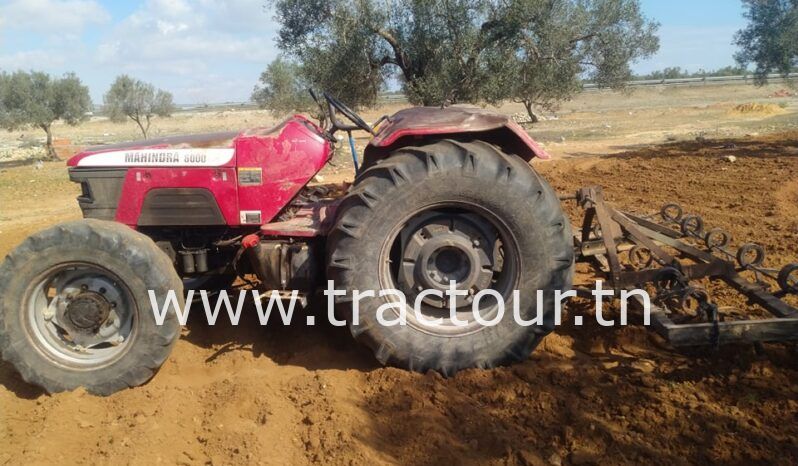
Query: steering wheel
(337, 105)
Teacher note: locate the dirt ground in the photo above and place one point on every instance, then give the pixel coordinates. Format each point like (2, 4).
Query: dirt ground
(588, 395)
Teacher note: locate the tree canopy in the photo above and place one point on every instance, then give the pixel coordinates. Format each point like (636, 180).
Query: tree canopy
(449, 51)
(137, 100)
(37, 99)
(770, 41)
(560, 43)
(283, 88)
(675, 72)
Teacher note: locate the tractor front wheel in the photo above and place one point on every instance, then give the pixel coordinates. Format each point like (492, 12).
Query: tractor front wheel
(75, 307)
(450, 214)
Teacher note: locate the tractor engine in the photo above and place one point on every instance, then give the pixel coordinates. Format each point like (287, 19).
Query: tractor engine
(286, 265)
(213, 258)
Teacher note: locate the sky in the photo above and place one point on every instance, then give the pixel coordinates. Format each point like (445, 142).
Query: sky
(211, 51)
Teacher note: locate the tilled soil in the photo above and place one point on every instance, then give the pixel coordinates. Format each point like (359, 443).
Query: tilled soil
(588, 395)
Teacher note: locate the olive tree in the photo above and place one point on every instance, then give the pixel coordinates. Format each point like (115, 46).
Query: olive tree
(560, 43)
(283, 89)
(37, 99)
(770, 41)
(450, 51)
(137, 100)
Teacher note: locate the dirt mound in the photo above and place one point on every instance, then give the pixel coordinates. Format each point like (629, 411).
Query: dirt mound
(588, 395)
(757, 109)
(782, 93)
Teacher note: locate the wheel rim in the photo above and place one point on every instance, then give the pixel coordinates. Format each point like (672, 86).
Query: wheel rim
(456, 242)
(80, 315)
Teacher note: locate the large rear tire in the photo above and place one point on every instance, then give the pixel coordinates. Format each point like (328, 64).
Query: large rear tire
(75, 309)
(451, 211)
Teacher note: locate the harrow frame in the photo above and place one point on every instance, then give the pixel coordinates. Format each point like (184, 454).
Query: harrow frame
(606, 233)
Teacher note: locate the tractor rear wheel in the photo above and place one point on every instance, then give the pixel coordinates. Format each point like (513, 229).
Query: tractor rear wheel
(75, 307)
(446, 212)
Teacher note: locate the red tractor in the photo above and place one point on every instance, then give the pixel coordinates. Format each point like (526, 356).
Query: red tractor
(442, 195)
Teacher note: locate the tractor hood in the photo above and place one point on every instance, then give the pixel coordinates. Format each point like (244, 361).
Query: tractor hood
(425, 121)
(196, 150)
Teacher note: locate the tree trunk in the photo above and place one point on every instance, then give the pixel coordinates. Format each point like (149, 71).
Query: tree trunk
(533, 118)
(141, 127)
(400, 58)
(51, 155)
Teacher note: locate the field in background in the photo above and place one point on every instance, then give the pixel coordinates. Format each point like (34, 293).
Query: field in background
(595, 122)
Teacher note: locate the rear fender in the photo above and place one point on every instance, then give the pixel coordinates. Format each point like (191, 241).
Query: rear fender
(419, 125)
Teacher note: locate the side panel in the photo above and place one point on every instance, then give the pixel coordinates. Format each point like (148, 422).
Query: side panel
(100, 190)
(273, 167)
(220, 182)
(180, 206)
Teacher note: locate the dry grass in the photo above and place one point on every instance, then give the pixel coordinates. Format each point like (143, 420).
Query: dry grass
(762, 109)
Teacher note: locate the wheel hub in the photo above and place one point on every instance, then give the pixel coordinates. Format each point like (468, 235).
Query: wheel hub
(79, 312)
(449, 263)
(87, 312)
(439, 249)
